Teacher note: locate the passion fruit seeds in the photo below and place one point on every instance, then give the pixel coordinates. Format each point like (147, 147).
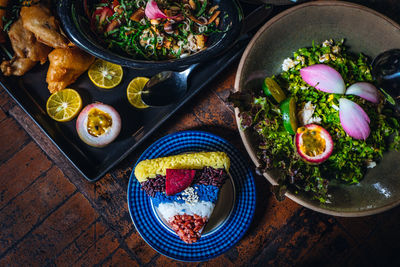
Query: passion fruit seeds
(98, 124)
(313, 143)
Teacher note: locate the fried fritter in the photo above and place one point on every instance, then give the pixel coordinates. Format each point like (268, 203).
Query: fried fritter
(66, 65)
(27, 51)
(17, 66)
(39, 20)
(25, 45)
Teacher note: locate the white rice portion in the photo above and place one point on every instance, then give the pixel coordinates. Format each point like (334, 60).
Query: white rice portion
(201, 208)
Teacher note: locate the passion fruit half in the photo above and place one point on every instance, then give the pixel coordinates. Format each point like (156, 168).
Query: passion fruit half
(98, 124)
(313, 143)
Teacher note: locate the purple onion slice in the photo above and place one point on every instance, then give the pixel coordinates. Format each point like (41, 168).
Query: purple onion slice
(364, 90)
(323, 78)
(354, 120)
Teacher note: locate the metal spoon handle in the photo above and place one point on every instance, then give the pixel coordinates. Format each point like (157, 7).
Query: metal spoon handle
(187, 71)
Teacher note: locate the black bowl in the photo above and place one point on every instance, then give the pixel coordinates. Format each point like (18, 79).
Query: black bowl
(76, 26)
(274, 2)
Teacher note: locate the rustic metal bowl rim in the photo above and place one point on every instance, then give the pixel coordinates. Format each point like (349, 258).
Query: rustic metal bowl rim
(251, 151)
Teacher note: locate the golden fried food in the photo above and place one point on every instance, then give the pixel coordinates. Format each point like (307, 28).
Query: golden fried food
(27, 51)
(3, 11)
(66, 65)
(17, 66)
(39, 20)
(25, 44)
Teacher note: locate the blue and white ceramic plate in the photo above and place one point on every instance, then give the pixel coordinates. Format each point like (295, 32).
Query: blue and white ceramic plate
(232, 214)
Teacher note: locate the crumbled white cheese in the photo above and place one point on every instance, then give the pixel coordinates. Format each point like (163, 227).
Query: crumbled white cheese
(303, 87)
(335, 49)
(335, 107)
(317, 120)
(287, 64)
(301, 60)
(323, 58)
(327, 43)
(306, 114)
(371, 164)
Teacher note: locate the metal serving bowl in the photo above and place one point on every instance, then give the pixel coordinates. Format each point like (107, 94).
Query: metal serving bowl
(298, 27)
(76, 26)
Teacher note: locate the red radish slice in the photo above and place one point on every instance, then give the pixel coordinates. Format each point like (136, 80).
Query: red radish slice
(110, 133)
(323, 78)
(364, 90)
(313, 143)
(354, 120)
(178, 180)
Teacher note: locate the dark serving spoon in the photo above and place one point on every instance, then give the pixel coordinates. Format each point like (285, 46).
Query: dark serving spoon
(168, 87)
(386, 71)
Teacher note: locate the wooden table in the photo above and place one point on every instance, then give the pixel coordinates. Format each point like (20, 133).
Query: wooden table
(50, 215)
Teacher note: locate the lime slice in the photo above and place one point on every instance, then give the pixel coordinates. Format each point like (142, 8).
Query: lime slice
(134, 91)
(271, 88)
(288, 108)
(105, 74)
(64, 105)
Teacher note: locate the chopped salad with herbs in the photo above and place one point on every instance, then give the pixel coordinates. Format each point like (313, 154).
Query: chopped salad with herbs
(354, 124)
(155, 29)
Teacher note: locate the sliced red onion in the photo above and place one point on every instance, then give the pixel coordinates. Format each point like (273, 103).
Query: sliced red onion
(364, 90)
(153, 12)
(354, 120)
(323, 78)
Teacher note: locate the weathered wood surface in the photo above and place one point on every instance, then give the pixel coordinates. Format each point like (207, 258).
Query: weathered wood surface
(50, 215)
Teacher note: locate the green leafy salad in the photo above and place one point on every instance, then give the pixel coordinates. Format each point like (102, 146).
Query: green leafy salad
(321, 119)
(155, 29)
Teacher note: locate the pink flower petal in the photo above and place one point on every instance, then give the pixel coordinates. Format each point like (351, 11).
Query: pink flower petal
(354, 120)
(323, 78)
(153, 12)
(364, 90)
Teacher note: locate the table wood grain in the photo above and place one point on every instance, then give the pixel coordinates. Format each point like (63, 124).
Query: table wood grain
(51, 216)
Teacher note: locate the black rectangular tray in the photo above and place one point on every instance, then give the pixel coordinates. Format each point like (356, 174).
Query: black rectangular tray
(31, 93)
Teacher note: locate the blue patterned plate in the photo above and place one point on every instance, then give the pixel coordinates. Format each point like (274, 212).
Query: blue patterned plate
(228, 227)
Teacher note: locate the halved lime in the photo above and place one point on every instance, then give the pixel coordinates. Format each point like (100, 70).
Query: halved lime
(105, 74)
(134, 92)
(64, 105)
(271, 88)
(288, 108)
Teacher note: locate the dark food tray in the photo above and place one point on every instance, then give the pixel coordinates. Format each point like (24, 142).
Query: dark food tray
(31, 93)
